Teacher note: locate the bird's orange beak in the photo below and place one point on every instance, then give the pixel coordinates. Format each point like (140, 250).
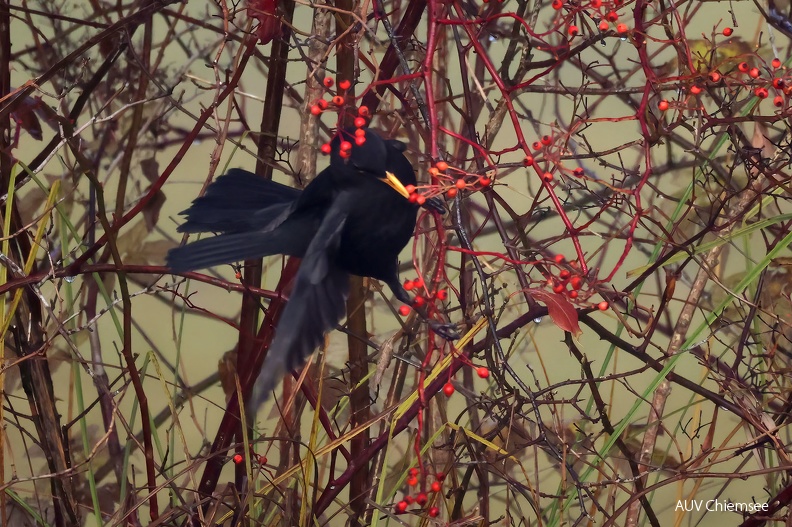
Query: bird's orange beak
(393, 182)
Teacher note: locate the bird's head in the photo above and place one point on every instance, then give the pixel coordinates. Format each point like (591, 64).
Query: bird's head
(369, 154)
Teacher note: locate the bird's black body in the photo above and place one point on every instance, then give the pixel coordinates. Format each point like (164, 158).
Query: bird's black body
(348, 220)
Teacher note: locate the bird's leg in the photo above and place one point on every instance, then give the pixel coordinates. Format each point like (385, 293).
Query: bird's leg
(446, 330)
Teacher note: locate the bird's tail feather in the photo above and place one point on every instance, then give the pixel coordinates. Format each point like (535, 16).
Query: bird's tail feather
(238, 201)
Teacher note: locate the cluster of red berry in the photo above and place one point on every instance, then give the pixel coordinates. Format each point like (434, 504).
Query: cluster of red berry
(420, 300)
(338, 101)
(604, 11)
(568, 282)
(762, 92)
(421, 499)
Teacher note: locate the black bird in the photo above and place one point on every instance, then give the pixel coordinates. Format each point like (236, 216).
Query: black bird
(353, 218)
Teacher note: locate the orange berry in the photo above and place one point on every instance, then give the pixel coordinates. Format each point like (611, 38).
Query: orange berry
(528, 161)
(452, 192)
(776, 63)
(714, 76)
(315, 110)
(484, 181)
(442, 166)
(695, 90)
(622, 28)
(460, 184)
(547, 177)
(662, 105)
(338, 100)
(604, 26)
(754, 73)
(602, 306)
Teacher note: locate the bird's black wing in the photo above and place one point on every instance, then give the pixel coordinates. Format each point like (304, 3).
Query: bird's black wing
(239, 201)
(317, 303)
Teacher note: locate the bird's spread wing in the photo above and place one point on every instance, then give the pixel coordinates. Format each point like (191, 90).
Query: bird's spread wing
(228, 248)
(239, 201)
(317, 303)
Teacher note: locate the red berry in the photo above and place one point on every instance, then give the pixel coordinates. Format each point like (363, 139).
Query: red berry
(558, 288)
(413, 471)
(440, 476)
(460, 184)
(404, 310)
(262, 460)
(409, 499)
(434, 512)
(743, 67)
(714, 76)
(573, 294)
(442, 294)
(418, 282)
(762, 93)
(482, 371)
(408, 285)
(776, 63)
(559, 258)
(436, 486)
(321, 103)
(546, 140)
(754, 73)
(360, 122)
(442, 166)
(612, 16)
(238, 459)
(419, 301)
(360, 140)
(328, 82)
(778, 83)
(602, 306)
(547, 177)
(345, 146)
(421, 199)
(727, 31)
(412, 481)
(363, 111)
(557, 4)
(452, 192)
(576, 282)
(564, 274)
(528, 161)
(360, 133)
(695, 90)
(484, 181)
(344, 154)
(315, 110)
(596, 4)
(400, 507)
(344, 85)
(536, 145)
(326, 148)
(622, 28)
(578, 172)
(778, 101)
(413, 197)
(421, 498)
(604, 26)
(662, 105)
(448, 389)
(410, 189)
(573, 30)
(338, 100)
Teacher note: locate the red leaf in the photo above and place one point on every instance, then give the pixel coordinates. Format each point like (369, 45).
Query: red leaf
(562, 312)
(265, 12)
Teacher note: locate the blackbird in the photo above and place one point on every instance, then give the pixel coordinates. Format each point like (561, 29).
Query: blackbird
(353, 218)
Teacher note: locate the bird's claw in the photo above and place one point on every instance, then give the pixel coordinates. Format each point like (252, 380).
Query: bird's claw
(435, 205)
(445, 330)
